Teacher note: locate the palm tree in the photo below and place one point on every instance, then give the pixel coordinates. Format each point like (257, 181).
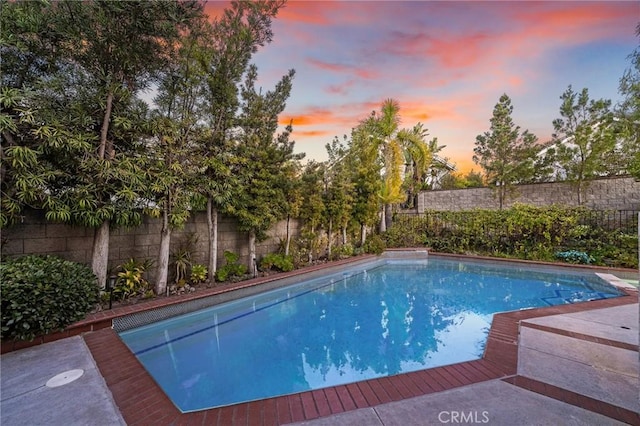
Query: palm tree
(418, 157)
(396, 147)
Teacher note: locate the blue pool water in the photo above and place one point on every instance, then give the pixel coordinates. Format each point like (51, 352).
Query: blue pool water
(390, 318)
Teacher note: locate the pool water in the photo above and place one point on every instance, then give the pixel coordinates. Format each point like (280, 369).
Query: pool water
(389, 318)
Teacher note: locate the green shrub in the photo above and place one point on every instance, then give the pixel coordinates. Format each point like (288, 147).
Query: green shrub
(277, 261)
(41, 294)
(574, 256)
(232, 268)
(374, 245)
(130, 281)
(198, 273)
(523, 232)
(342, 252)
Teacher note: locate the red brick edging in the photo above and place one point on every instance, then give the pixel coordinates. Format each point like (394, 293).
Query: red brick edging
(141, 401)
(104, 319)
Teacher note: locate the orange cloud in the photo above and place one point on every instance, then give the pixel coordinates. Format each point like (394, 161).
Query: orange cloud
(312, 133)
(311, 116)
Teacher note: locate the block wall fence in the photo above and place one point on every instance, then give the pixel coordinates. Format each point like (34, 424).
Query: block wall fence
(37, 236)
(620, 193)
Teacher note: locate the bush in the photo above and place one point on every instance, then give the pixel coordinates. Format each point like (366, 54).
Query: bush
(374, 245)
(574, 256)
(198, 273)
(277, 261)
(523, 232)
(130, 280)
(41, 294)
(232, 268)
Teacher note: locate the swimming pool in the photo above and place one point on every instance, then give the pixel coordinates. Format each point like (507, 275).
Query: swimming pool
(381, 319)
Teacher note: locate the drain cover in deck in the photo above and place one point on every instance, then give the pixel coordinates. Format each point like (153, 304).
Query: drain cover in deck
(64, 378)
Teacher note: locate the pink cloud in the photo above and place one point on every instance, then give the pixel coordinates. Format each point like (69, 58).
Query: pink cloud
(343, 68)
(340, 89)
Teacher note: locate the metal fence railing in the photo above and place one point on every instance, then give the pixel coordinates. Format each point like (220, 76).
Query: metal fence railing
(609, 237)
(625, 221)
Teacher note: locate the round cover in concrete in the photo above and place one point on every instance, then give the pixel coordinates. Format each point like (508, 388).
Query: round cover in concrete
(64, 378)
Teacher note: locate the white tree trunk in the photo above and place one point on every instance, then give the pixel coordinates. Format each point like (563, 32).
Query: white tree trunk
(388, 215)
(311, 244)
(288, 240)
(383, 220)
(163, 256)
(329, 238)
(100, 255)
(363, 234)
(344, 235)
(212, 222)
(253, 270)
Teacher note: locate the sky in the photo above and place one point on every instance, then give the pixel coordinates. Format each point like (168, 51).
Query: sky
(445, 62)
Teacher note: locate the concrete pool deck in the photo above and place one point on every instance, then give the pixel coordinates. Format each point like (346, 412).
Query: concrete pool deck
(510, 385)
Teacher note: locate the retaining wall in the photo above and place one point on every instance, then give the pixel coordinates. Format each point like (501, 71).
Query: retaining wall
(37, 236)
(601, 194)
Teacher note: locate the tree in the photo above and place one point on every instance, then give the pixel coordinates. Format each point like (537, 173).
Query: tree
(84, 122)
(395, 148)
(263, 159)
(338, 192)
(418, 159)
(583, 138)
(458, 181)
(292, 189)
(505, 154)
(235, 37)
(171, 170)
(313, 208)
(628, 112)
(365, 168)
(173, 163)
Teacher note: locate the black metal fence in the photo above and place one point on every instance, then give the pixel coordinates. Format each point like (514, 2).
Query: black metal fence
(525, 232)
(434, 222)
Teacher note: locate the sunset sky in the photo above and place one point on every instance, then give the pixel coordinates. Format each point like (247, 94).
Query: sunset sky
(446, 63)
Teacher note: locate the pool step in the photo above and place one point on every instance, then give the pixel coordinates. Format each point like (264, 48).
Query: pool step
(591, 353)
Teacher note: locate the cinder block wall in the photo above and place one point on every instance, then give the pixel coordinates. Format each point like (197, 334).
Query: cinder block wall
(601, 194)
(36, 236)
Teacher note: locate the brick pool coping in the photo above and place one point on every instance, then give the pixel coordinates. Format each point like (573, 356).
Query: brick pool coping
(104, 318)
(141, 401)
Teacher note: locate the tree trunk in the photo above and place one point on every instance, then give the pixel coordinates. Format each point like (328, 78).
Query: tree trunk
(580, 192)
(253, 270)
(344, 235)
(100, 256)
(363, 234)
(212, 223)
(163, 256)
(388, 215)
(288, 240)
(329, 239)
(105, 128)
(383, 220)
(311, 244)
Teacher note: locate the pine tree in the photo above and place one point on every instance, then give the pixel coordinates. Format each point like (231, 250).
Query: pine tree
(505, 154)
(263, 159)
(583, 138)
